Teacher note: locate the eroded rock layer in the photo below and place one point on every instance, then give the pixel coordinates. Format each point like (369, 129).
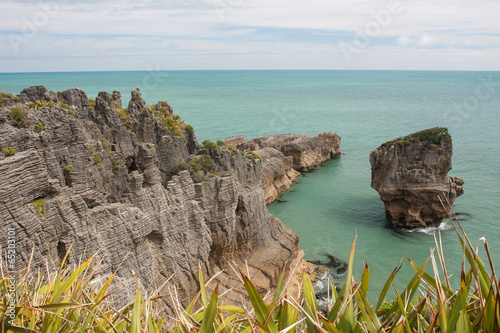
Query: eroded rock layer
(308, 153)
(132, 183)
(284, 156)
(410, 173)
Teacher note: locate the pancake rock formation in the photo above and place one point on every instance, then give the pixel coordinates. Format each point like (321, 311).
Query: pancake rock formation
(409, 173)
(284, 156)
(308, 153)
(133, 183)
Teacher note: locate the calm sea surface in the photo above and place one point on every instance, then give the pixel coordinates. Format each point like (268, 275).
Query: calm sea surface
(366, 108)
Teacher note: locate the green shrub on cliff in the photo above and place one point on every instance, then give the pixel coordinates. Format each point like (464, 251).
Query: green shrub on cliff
(252, 156)
(173, 123)
(209, 146)
(91, 105)
(9, 152)
(41, 104)
(189, 129)
(403, 143)
(435, 135)
(39, 206)
(38, 128)
(20, 116)
(202, 163)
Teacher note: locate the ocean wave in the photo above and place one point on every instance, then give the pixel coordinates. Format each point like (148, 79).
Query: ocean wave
(431, 230)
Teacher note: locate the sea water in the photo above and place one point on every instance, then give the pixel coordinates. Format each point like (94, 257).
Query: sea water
(333, 204)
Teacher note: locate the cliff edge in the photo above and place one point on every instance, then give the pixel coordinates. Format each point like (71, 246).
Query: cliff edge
(409, 173)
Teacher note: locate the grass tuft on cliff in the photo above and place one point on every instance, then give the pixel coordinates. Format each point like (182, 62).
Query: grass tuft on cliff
(67, 302)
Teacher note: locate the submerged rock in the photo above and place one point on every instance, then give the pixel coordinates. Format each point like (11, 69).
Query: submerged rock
(411, 172)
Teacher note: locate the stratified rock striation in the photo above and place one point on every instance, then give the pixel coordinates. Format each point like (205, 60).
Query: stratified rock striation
(133, 183)
(284, 156)
(278, 173)
(410, 173)
(308, 153)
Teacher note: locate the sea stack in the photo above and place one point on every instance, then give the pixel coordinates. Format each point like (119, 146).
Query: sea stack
(411, 173)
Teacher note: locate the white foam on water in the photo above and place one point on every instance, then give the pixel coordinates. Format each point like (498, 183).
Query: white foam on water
(431, 230)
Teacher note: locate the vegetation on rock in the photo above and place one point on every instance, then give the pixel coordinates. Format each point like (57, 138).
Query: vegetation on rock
(9, 152)
(209, 146)
(20, 115)
(435, 135)
(173, 123)
(189, 129)
(39, 206)
(39, 127)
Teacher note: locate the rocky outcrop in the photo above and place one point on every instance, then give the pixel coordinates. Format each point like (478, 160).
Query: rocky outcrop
(37, 93)
(283, 156)
(410, 173)
(91, 174)
(308, 153)
(236, 142)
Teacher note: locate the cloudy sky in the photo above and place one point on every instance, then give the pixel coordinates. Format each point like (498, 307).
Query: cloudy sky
(64, 35)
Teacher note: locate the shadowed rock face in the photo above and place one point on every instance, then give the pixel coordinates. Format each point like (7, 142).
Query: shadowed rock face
(108, 179)
(410, 173)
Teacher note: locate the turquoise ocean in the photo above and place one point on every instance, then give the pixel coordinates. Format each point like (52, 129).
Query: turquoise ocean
(366, 108)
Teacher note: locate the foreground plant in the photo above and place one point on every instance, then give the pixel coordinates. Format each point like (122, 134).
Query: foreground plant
(67, 303)
(427, 304)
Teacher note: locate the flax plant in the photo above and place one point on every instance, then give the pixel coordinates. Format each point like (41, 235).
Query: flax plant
(67, 303)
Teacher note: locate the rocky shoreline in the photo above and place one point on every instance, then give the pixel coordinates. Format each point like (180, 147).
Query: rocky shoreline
(285, 156)
(134, 183)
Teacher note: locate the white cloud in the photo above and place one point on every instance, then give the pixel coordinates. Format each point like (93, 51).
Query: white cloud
(426, 40)
(405, 41)
(294, 30)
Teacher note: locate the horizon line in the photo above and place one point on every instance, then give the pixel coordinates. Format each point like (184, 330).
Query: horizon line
(256, 70)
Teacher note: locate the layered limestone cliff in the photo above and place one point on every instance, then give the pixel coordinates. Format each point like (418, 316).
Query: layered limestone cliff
(410, 173)
(133, 183)
(283, 156)
(308, 153)
(278, 173)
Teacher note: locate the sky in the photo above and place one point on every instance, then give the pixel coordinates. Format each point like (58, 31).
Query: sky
(109, 35)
